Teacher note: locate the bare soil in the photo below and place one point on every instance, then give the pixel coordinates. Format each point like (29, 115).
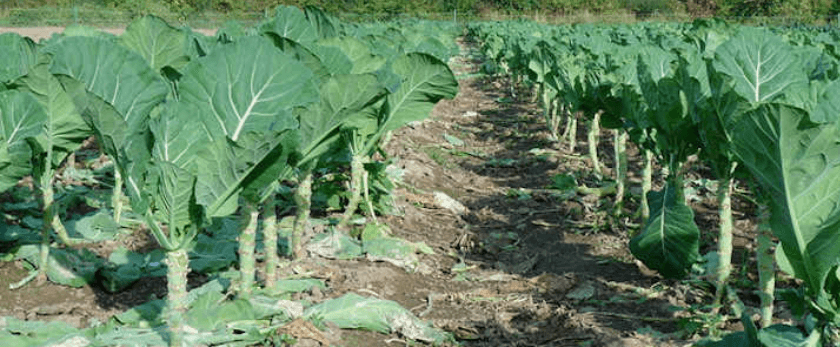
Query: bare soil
(535, 269)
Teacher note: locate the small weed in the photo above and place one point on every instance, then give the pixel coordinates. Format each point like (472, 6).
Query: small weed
(504, 100)
(439, 156)
(518, 194)
(563, 182)
(701, 320)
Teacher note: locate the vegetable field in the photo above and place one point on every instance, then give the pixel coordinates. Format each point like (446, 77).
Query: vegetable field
(310, 182)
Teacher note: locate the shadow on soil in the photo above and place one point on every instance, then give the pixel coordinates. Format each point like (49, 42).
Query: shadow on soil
(585, 283)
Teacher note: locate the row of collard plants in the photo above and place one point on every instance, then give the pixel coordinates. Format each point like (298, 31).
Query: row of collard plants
(206, 134)
(753, 104)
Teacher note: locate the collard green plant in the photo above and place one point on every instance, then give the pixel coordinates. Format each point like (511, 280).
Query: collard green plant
(797, 163)
(425, 80)
(669, 240)
(247, 116)
(115, 90)
(36, 104)
(755, 67)
(342, 97)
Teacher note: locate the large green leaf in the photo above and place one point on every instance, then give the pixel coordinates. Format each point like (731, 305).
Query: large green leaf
(333, 59)
(172, 174)
(290, 22)
(177, 136)
(171, 190)
(64, 128)
(670, 99)
(760, 64)
(247, 86)
(17, 56)
(159, 43)
(94, 227)
(302, 54)
(129, 147)
(798, 164)
(245, 116)
(124, 267)
(115, 90)
(25, 333)
(210, 254)
(826, 108)
(363, 60)
(670, 240)
(21, 118)
(780, 335)
(227, 169)
(325, 24)
(70, 267)
(342, 97)
(425, 81)
(117, 75)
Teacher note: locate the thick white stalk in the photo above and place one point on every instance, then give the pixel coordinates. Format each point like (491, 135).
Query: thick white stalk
(592, 138)
(766, 267)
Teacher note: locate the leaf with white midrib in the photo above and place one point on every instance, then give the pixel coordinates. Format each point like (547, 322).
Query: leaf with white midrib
(760, 64)
(117, 75)
(158, 42)
(242, 95)
(425, 80)
(246, 86)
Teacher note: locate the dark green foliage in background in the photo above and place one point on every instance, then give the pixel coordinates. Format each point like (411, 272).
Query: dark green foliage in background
(807, 10)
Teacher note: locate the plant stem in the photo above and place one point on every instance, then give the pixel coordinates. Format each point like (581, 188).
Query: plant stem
(303, 200)
(116, 198)
(620, 145)
(247, 244)
(647, 183)
(592, 138)
(554, 120)
(766, 267)
(538, 92)
(49, 212)
(369, 204)
(177, 262)
(40, 274)
(547, 111)
(272, 260)
(357, 169)
(573, 135)
(724, 269)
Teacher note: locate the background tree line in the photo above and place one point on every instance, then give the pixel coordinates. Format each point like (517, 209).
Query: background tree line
(807, 10)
